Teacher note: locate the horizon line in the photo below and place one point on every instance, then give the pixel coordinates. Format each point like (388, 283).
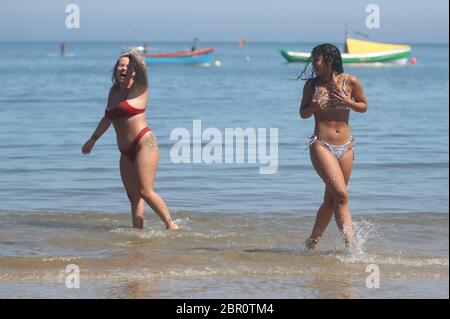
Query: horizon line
(213, 41)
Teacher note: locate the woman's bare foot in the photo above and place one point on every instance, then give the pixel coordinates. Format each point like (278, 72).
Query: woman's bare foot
(351, 246)
(138, 222)
(311, 243)
(172, 226)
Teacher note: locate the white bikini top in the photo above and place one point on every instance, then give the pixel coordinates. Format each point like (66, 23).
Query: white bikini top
(326, 96)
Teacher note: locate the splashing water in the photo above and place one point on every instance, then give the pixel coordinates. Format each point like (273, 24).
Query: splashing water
(364, 231)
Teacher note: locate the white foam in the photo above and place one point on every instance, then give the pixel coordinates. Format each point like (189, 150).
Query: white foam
(391, 261)
(61, 258)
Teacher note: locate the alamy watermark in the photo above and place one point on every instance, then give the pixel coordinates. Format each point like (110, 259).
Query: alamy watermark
(373, 19)
(373, 279)
(73, 19)
(212, 146)
(72, 276)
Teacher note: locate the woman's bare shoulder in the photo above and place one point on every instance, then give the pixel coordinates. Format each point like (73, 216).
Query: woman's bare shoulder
(111, 93)
(112, 90)
(352, 79)
(309, 84)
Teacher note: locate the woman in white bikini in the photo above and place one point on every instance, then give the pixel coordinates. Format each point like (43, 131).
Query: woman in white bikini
(329, 94)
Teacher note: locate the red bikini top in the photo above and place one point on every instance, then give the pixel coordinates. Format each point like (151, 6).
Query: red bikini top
(122, 110)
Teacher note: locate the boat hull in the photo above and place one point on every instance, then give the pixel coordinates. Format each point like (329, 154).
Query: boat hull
(389, 57)
(203, 57)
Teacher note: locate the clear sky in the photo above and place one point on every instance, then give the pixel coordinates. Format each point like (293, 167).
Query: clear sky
(223, 20)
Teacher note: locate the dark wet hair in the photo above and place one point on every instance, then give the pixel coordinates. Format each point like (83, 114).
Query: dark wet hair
(137, 65)
(331, 56)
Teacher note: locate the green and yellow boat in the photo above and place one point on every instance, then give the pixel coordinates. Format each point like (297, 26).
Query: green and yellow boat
(360, 52)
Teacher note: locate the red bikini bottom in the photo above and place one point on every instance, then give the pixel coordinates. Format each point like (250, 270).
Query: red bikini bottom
(131, 151)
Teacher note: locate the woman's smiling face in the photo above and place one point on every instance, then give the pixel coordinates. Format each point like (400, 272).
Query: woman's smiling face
(123, 72)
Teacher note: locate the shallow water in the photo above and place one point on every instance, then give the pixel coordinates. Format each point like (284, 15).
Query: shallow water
(222, 255)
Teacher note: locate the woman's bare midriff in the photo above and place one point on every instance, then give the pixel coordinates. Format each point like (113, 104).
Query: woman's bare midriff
(128, 128)
(333, 129)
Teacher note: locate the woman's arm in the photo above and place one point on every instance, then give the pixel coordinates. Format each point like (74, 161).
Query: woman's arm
(359, 98)
(309, 106)
(357, 101)
(102, 126)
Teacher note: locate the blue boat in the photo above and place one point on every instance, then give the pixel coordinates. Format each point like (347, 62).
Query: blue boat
(203, 57)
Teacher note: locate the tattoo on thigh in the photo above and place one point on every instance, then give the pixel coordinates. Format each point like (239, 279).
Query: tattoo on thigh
(150, 143)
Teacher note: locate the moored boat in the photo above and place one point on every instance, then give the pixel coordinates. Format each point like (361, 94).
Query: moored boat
(203, 57)
(360, 53)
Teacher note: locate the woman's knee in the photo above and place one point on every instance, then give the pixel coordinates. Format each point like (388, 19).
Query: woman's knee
(134, 199)
(340, 196)
(147, 193)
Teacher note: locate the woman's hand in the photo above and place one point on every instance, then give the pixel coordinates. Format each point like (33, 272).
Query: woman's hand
(87, 147)
(318, 104)
(344, 100)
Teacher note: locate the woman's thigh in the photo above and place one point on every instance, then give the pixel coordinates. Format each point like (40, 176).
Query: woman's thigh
(129, 176)
(147, 158)
(327, 167)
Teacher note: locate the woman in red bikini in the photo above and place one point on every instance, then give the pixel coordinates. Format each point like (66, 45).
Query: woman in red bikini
(329, 94)
(137, 144)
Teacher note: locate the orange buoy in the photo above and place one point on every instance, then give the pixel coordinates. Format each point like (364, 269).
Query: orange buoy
(413, 60)
(242, 42)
